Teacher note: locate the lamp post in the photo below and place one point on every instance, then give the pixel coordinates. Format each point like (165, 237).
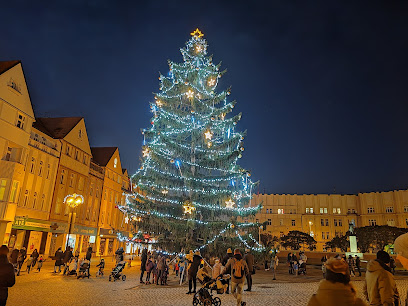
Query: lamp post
(259, 234)
(310, 227)
(73, 201)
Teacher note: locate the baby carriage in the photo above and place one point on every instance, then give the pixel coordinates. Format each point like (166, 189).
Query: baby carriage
(204, 295)
(302, 268)
(72, 268)
(115, 274)
(83, 270)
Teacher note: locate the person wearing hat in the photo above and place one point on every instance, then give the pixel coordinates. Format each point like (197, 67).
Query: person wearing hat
(192, 272)
(239, 269)
(249, 258)
(224, 263)
(336, 289)
(380, 287)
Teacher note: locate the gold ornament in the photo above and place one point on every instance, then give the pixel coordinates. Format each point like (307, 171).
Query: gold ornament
(211, 82)
(188, 207)
(146, 152)
(159, 103)
(230, 204)
(209, 144)
(208, 135)
(165, 191)
(190, 94)
(197, 33)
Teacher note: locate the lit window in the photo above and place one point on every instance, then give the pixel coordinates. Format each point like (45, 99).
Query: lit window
(280, 211)
(2, 189)
(338, 210)
(115, 162)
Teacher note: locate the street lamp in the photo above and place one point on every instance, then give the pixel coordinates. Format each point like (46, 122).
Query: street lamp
(73, 201)
(259, 234)
(310, 227)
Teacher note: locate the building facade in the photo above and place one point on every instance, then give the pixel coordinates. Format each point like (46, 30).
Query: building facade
(325, 216)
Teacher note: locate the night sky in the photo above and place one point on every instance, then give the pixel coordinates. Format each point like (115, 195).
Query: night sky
(322, 87)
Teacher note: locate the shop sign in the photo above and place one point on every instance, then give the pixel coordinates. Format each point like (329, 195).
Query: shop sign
(83, 230)
(30, 224)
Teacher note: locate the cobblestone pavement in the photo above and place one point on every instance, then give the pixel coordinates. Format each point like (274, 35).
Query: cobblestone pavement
(46, 288)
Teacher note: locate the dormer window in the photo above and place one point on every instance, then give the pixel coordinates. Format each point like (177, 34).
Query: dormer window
(80, 134)
(115, 162)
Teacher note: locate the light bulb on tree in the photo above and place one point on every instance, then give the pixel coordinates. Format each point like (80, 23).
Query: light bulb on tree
(230, 204)
(211, 82)
(190, 94)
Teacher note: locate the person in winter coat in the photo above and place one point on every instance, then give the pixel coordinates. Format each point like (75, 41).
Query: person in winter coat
(58, 260)
(336, 289)
(22, 255)
(192, 272)
(149, 269)
(88, 257)
(357, 262)
(224, 263)
(40, 263)
(29, 263)
(351, 263)
(66, 259)
(217, 269)
(161, 268)
(143, 264)
(275, 264)
(119, 254)
(380, 287)
(34, 255)
(239, 268)
(249, 258)
(14, 256)
(7, 276)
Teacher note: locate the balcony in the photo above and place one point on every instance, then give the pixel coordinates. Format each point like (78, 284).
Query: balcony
(43, 147)
(11, 169)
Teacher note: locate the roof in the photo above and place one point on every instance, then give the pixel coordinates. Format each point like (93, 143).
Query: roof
(124, 170)
(4, 66)
(57, 128)
(102, 155)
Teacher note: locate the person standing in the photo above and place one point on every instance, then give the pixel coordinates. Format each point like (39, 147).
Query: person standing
(40, 263)
(149, 268)
(7, 276)
(380, 287)
(192, 272)
(275, 265)
(336, 289)
(14, 257)
(358, 264)
(224, 263)
(58, 260)
(119, 254)
(34, 255)
(249, 259)
(88, 257)
(239, 268)
(217, 269)
(66, 259)
(350, 262)
(143, 264)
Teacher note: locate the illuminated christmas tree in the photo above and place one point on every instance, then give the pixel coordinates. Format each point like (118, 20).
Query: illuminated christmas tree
(189, 190)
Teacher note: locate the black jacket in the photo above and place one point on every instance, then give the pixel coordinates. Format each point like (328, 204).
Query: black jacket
(67, 256)
(88, 255)
(14, 256)
(143, 260)
(195, 265)
(226, 258)
(7, 277)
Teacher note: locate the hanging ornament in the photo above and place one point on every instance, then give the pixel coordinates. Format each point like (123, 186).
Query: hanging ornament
(172, 161)
(126, 219)
(209, 144)
(208, 135)
(199, 48)
(222, 116)
(190, 94)
(146, 152)
(165, 191)
(159, 103)
(230, 204)
(242, 149)
(188, 207)
(211, 82)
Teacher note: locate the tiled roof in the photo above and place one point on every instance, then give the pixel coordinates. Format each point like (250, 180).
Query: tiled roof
(57, 128)
(102, 155)
(4, 66)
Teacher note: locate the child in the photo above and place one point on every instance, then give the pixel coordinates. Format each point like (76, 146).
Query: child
(40, 263)
(149, 268)
(155, 272)
(296, 267)
(73, 266)
(217, 269)
(101, 266)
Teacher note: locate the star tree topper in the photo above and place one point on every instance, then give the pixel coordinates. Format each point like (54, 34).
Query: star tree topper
(197, 33)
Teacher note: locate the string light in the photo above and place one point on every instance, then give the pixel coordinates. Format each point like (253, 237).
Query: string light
(230, 203)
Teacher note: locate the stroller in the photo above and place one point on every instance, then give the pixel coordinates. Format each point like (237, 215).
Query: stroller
(302, 267)
(115, 274)
(83, 269)
(72, 268)
(204, 295)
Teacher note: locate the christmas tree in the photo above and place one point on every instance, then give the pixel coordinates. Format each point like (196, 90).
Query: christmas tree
(189, 190)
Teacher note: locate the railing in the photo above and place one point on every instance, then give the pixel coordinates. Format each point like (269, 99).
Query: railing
(43, 147)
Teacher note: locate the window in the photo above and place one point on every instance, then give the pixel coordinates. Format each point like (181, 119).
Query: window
(281, 234)
(323, 210)
(280, 211)
(91, 190)
(351, 211)
(338, 210)
(67, 150)
(8, 153)
(322, 222)
(40, 169)
(389, 209)
(370, 210)
(62, 177)
(335, 222)
(25, 198)
(80, 134)
(405, 208)
(309, 210)
(13, 194)
(20, 121)
(71, 181)
(2, 189)
(32, 165)
(43, 202)
(391, 222)
(338, 222)
(325, 235)
(115, 163)
(406, 222)
(269, 222)
(84, 159)
(372, 222)
(280, 221)
(76, 154)
(267, 210)
(35, 200)
(48, 171)
(293, 222)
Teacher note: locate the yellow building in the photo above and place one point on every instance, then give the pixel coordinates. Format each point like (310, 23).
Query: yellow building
(325, 216)
(115, 183)
(16, 118)
(72, 177)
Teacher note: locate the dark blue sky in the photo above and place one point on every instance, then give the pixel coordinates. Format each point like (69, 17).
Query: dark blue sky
(322, 86)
